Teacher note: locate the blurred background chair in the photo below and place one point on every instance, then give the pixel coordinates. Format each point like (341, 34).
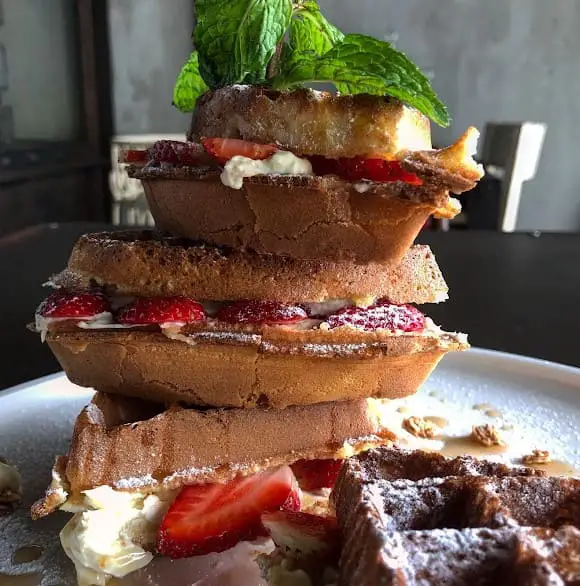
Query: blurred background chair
(510, 155)
(55, 112)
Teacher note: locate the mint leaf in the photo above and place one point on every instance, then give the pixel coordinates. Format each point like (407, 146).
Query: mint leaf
(362, 64)
(237, 38)
(189, 85)
(310, 35)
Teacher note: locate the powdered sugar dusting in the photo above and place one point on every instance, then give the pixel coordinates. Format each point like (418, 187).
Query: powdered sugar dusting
(135, 483)
(94, 414)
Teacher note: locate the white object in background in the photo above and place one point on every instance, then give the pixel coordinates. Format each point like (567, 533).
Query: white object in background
(126, 192)
(511, 152)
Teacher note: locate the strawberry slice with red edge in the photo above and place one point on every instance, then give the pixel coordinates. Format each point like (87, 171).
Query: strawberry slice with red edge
(261, 312)
(223, 149)
(303, 535)
(65, 304)
(382, 315)
(156, 310)
(315, 474)
(357, 168)
(213, 517)
(134, 156)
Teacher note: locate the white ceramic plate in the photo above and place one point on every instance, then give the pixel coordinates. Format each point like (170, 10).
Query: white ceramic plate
(538, 399)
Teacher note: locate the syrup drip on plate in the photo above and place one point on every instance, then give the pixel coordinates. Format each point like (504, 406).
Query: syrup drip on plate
(32, 579)
(556, 468)
(466, 446)
(26, 554)
(437, 420)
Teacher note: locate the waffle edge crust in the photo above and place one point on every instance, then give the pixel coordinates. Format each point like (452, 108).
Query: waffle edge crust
(151, 366)
(146, 263)
(135, 445)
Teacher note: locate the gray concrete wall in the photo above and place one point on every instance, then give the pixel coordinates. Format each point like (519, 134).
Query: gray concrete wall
(150, 41)
(38, 38)
(500, 60)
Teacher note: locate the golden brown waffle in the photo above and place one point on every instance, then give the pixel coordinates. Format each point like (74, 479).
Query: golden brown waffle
(226, 371)
(134, 445)
(298, 216)
(418, 518)
(310, 122)
(143, 263)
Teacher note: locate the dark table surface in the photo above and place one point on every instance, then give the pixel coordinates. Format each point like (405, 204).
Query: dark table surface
(511, 292)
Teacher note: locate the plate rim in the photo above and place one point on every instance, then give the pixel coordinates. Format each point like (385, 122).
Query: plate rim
(566, 373)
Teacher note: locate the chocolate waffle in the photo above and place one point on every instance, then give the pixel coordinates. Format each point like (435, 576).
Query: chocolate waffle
(419, 518)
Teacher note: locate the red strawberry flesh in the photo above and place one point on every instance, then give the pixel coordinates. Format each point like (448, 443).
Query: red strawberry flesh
(213, 517)
(133, 156)
(357, 168)
(315, 474)
(156, 310)
(64, 304)
(223, 149)
(261, 312)
(382, 315)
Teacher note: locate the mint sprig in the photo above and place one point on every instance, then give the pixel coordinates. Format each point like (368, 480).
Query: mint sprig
(189, 85)
(364, 64)
(310, 35)
(236, 39)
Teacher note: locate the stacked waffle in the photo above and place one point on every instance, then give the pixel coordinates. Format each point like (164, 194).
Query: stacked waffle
(455, 522)
(243, 353)
(419, 518)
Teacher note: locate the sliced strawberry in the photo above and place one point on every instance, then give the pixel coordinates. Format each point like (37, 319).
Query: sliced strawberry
(357, 168)
(303, 535)
(315, 474)
(175, 152)
(261, 312)
(382, 315)
(213, 517)
(156, 310)
(223, 149)
(63, 304)
(134, 156)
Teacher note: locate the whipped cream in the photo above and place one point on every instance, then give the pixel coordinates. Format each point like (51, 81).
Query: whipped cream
(10, 483)
(103, 320)
(106, 538)
(280, 163)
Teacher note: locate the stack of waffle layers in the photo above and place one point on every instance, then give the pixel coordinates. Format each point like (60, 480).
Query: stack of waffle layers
(264, 327)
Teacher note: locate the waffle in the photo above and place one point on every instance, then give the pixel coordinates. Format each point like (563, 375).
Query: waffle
(323, 218)
(138, 446)
(144, 263)
(418, 518)
(306, 121)
(307, 216)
